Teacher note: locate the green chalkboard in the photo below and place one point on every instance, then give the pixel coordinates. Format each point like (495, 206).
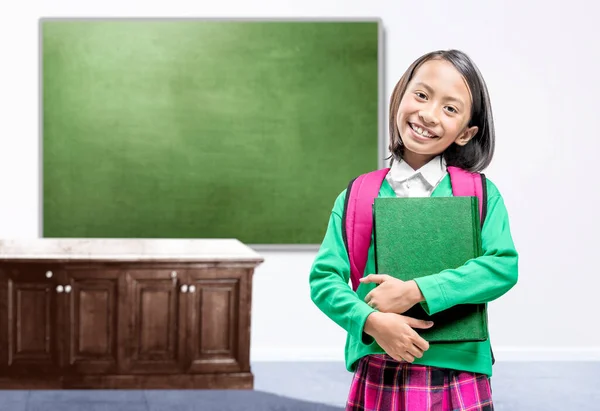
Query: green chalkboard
(204, 129)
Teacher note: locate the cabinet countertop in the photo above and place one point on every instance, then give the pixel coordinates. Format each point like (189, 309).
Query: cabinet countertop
(128, 250)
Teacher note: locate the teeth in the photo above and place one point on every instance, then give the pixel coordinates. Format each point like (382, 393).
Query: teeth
(422, 132)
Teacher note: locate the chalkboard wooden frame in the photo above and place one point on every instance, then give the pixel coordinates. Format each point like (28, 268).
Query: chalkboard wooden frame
(46, 188)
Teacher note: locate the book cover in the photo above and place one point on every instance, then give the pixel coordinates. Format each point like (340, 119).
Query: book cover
(416, 237)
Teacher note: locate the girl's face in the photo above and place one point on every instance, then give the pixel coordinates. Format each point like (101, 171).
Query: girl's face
(434, 112)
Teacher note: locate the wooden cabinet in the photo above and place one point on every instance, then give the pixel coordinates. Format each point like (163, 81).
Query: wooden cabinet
(112, 321)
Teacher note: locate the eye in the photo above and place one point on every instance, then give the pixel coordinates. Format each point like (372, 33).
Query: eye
(451, 109)
(420, 95)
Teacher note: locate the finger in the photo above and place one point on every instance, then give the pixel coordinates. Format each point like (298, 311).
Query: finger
(408, 357)
(420, 342)
(368, 297)
(375, 278)
(414, 323)
(415, 351)
(396, 357)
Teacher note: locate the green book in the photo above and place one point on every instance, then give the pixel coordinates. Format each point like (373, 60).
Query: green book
(416, 237)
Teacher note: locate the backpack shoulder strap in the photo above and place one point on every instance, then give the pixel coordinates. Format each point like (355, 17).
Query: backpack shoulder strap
(357, 220)
(466, 184)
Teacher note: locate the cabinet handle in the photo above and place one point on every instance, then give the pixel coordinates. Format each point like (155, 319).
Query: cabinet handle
(67, 288)
(59, 288)
(48, 274)
(192, 288)
(184, 288)
(173, 274)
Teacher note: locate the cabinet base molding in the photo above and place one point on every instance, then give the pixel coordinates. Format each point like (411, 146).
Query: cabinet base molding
(236, 381)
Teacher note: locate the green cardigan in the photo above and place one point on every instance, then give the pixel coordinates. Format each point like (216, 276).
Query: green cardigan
(478, 281)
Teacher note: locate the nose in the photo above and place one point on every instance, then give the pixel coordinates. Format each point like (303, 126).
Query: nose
(427, 117)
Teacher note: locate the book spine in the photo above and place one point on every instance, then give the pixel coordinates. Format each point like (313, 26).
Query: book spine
(477, 252)
(477, 247)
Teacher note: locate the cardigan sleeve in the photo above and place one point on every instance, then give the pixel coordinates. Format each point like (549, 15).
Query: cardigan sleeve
(329, 280)
(482, 279)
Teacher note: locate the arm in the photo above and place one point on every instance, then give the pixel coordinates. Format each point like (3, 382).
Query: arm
(481, 279)
(331, 293)
(329, 278)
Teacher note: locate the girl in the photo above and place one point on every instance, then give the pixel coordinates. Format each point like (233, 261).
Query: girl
(440, 116)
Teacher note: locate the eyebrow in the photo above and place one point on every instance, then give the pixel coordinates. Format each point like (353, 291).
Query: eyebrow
(447, 98)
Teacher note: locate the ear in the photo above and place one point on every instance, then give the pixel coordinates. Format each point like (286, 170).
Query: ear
(466, 136)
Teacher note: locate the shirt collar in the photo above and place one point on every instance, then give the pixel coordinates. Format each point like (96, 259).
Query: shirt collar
(432, 172)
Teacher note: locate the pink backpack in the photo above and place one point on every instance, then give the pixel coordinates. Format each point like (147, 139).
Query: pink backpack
(357, 220)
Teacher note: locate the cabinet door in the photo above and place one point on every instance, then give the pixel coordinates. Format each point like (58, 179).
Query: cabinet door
(218, 320)
(29, 339)
(155, 342)
(92, 304)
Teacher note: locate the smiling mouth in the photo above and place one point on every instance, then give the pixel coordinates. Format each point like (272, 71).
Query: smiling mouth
(421, 132)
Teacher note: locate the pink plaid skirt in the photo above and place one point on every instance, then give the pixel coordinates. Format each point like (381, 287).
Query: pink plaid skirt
(381, 383)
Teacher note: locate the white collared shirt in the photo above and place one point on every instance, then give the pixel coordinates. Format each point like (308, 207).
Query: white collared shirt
(407, 182)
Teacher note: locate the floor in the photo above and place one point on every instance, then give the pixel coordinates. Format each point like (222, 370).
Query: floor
(527, 386)
(304, 386)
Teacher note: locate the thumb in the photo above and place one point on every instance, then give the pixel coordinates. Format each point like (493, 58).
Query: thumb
(414, 323)
(375, 278)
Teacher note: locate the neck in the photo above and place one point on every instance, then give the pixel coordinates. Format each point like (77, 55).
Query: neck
(416, 161)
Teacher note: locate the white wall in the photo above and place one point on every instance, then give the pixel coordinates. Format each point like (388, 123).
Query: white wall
(540, 62)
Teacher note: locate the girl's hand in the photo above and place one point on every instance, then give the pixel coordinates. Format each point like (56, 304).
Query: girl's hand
(394, 333)
(392, 295)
